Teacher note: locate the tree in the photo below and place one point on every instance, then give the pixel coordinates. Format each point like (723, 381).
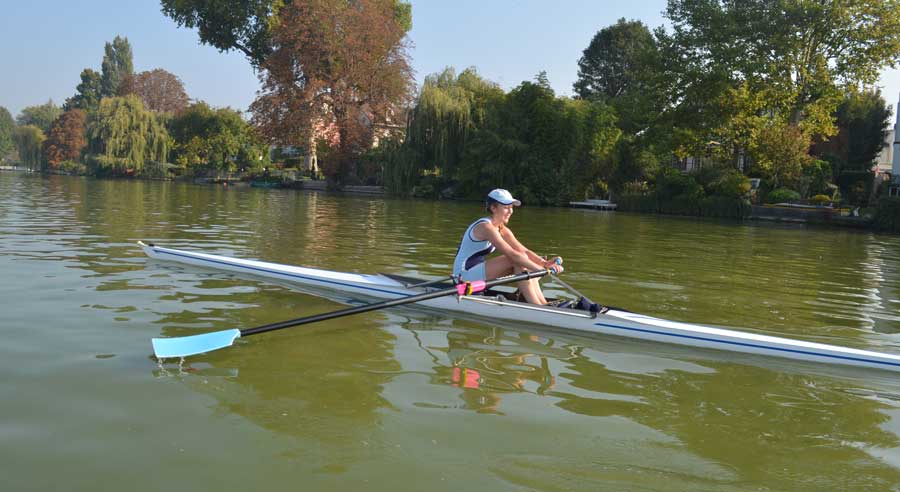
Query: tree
(615, 62)
(781, 152)
(28, 140)
(88, 92)
(336, 63)
(795, 53)
(215, 139)
(117, 64)
(620, 67)
(66, 139)
(244, 25)
(7, 127)
(863, 119)
(161, 91)
(447, 110)
(40, 116)
(123, 136)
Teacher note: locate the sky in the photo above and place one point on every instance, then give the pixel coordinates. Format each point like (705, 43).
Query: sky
(507, 41)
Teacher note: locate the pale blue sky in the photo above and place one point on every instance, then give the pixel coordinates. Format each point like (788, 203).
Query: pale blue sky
(47, 44)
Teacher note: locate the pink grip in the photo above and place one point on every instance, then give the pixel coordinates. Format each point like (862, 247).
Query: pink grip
(470, 287)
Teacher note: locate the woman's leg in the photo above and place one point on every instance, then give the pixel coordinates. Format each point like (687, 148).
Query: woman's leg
(531, 289)
(498, 267)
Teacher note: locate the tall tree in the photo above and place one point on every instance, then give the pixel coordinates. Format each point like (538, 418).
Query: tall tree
(446, 111)
(117, 64)
(123, 136)
(795, 53)
(28, 140)
(7, 127)
(88, 92)
(40, 116)
(66, 139)
(615, 62)
(161, 91)
(335, 62)
(620, 67)
(243, 25)
(863, 119)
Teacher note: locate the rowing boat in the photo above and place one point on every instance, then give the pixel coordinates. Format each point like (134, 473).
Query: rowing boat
(495, 305)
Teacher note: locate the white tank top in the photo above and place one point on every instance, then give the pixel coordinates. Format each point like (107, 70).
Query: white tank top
(471, 251)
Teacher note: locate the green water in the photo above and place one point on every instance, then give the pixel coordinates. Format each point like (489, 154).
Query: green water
(407, 400)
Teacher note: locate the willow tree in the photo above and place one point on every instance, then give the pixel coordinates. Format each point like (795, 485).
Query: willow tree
(447, 110)
(28, 140)
(123, 136)
(335, 63)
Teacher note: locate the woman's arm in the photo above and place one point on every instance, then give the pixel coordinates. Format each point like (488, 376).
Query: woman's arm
(518, 255)
(511, 239)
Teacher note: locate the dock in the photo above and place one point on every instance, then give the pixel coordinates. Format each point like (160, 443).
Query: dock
(594, 204)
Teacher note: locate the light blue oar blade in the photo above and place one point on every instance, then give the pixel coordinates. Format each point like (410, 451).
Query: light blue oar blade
(197, 344)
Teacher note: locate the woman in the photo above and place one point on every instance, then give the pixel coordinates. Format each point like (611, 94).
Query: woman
(491, 233)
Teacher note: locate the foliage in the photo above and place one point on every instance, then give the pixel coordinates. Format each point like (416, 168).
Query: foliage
(7, 127)
(66, 139)
(28, 140)
(863, 119)
(116, 66)
(782, 195)
(856, 186)
(447, 110)
(206, 138)
(793, 52)
(334, 63)
(161, 91)
(725, 207)
(724, 182)
(40, 116)
(243, 25)
(619, 67)
(815, 178)
(678, 193)
(72, 168)
(781, 151)
(887, 215)
(123, 136)
(820, 200)
(88, 93)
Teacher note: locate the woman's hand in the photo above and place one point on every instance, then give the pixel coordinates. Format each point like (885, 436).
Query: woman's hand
(554, 264)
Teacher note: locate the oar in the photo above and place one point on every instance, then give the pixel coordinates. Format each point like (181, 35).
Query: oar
(564, 284)
(198, 344)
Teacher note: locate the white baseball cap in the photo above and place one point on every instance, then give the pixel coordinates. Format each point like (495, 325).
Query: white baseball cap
(504, 197)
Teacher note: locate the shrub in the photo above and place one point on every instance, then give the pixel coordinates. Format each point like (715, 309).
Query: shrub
(732, 184)
(637, 203)
(73, 168)
(887, 215)
(726, 207)
(781, 195)
(856, 186)
(820, 200)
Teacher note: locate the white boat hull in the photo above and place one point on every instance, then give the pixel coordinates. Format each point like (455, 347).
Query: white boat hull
(610, 322)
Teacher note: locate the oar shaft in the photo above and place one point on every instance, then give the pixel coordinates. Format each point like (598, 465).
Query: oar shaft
(564, 284)
(391, 303)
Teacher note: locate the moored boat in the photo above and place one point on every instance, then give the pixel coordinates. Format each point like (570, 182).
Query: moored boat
(495, 305)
